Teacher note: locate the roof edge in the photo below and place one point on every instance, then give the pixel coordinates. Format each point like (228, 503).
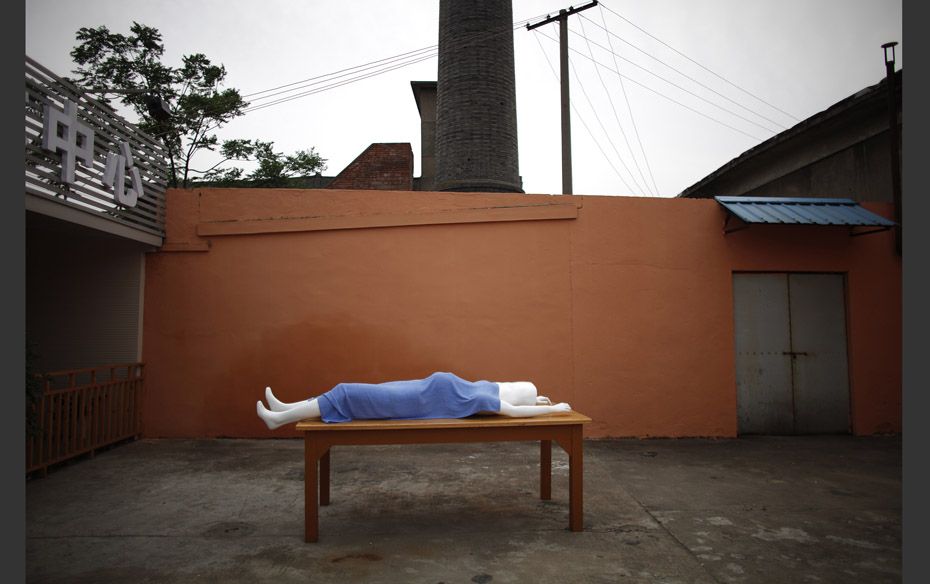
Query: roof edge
(845, 104)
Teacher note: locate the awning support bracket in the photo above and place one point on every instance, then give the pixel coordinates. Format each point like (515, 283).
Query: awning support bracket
(732, 229)
(854, 233)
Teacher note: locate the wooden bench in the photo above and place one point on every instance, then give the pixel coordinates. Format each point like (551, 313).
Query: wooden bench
(565, 429)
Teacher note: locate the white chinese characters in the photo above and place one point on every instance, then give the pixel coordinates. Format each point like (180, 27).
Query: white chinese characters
(114, 176)
(75, 141)
(64, 133)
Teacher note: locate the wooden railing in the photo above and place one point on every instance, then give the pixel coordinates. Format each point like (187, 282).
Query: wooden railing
(83, 410)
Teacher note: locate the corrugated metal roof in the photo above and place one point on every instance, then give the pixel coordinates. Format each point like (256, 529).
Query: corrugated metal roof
(801, 210)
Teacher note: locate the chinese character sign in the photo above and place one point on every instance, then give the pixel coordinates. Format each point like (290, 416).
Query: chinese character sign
(114, 176)
(64, 133)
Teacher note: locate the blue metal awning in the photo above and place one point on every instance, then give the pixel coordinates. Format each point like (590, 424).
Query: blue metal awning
(802, 211)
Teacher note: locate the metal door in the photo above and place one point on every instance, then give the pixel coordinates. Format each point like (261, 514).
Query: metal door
(791, 366)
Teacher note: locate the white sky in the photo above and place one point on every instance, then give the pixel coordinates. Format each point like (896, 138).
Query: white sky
(799, 55)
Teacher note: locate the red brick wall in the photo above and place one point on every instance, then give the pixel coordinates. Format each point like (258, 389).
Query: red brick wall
(380, 167)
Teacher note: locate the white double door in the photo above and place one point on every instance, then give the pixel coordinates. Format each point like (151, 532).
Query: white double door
(791, 364)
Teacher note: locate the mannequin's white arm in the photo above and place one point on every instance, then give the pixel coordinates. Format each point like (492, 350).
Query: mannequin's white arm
(528, 411)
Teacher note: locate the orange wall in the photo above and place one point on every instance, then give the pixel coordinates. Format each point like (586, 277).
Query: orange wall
(620, 306)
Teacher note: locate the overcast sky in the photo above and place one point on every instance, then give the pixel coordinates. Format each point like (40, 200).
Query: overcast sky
(774, 62)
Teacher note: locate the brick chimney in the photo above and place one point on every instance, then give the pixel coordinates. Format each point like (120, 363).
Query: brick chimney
(476, 104)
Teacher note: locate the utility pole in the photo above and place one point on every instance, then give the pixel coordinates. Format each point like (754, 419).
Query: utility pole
(563, 80)
(893, 140)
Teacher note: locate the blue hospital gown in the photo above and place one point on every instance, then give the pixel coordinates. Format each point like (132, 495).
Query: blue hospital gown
(441, 395)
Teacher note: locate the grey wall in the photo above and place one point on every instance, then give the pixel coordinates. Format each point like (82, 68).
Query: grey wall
(861, 172)
(425, 94)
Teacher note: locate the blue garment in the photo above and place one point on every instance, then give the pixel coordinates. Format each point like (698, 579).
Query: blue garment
(441, 395)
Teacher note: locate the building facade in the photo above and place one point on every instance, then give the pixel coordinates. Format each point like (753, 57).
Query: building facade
(95, 205)
(639, 312)
(843, 151)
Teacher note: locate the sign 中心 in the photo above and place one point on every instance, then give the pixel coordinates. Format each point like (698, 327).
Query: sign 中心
(65, 134)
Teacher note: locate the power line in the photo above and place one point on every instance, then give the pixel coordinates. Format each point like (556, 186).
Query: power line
(660, 93)
(388, 64)
(744, 118)
(616, 117)
(583, 123)
(337, 84)
(378, 66)
(606, 133)
(685, 75)
(698, 64)
(630, 111)
(341, 73)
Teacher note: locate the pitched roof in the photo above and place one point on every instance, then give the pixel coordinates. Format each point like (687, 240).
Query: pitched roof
(864, 97)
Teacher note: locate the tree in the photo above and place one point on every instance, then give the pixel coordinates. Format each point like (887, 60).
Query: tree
(131, 67)
(273, 169)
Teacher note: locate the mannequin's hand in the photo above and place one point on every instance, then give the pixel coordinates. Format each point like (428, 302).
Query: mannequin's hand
(562, 407)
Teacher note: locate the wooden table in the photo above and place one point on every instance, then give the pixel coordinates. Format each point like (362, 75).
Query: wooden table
(565, 429)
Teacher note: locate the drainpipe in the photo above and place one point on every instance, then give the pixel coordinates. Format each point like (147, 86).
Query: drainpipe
(893, 140)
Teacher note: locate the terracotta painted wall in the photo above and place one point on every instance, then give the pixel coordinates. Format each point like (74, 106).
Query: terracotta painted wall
(620, 306)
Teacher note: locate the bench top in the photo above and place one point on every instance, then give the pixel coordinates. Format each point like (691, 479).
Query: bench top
(495, 421)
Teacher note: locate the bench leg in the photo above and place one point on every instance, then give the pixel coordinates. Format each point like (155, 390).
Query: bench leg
(545, 470)
(324, 478)
(311, 509)
(576, 483)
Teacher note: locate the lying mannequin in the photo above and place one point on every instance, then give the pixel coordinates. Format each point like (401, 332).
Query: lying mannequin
(441, 395)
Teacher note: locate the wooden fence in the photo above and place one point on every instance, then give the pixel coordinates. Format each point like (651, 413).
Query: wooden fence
(83, 410)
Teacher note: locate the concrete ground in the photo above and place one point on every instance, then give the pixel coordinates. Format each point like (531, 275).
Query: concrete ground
(754, 510)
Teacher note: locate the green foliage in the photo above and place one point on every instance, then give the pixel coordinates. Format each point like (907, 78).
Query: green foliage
(272, 170)
(131, 67)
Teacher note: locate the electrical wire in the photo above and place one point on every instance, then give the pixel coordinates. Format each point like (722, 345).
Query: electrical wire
(337, 84)
(660, 94)
(391, 58)
(688, 91)
(630, 111)
(598, 118)
(695, 62)
(616, 117)
(389, 64)
(584, 92)
(685, 75)
(369, 69)
(583, 123)
(386, 63)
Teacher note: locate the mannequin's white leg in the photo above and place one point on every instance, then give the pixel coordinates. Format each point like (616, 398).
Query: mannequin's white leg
(276, 405)
(302, 411)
